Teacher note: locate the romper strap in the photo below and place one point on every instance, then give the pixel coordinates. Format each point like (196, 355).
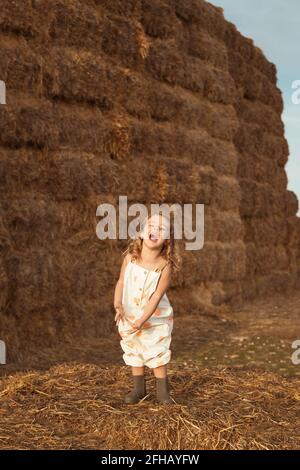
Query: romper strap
(161, 269)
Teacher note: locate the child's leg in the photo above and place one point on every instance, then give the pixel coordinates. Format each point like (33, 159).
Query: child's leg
(161, 371)
(139, 386)
(162, 384)
(138, 370)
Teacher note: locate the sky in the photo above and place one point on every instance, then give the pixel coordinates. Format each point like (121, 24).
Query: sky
(274, 26)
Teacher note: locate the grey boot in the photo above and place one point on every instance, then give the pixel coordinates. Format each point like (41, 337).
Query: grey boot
(162, 390)
(139, 390)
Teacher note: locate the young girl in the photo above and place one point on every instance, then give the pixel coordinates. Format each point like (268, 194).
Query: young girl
(144, 314)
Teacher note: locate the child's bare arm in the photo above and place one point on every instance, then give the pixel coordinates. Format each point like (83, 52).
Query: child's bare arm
(119, 291)
(162, 287)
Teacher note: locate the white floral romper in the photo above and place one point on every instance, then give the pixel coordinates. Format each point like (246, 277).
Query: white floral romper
(150, 345)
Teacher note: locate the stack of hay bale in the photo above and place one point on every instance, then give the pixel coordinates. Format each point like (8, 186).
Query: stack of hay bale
(158, 100)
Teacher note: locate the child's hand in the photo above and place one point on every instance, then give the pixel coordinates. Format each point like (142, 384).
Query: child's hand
(119, 314)
(137, 325)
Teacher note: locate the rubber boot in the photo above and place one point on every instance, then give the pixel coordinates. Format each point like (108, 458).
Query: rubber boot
(162, 390)
(139, 390)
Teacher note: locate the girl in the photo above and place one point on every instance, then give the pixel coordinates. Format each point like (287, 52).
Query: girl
(144, 315)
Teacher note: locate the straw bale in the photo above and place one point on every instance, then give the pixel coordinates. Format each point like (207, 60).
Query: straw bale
(202, 267)
(199, 43)
(130, 8)
(39, 124)
(159, 19)
(20, 66)
(30, 221)
(197, 303)
(204, 14)
(230, 261)
(194, 144)
(282, 257)
(255, 141)
(162, 101)
(271, 96)
(28, 123)
(293, 228)
(257, 87)
(166, 63)
(266, 230)
(120, 41)
(17, 17)
(231, 294)
(249, 288)
(215, 262)
(71, 22)
(292, 203)
(219, 120)
(84, 77)
(226, 194)
(293, 263)
(219, 87)
(264, 116)
(276, 282)
(265, 66)
(265, 259)
(261, 200)
(244, 47)
(224, 227)
(262, 170)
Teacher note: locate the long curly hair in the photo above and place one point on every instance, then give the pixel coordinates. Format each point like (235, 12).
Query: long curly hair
(169, 251)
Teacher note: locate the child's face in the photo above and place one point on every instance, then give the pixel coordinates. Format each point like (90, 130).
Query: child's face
(156, 231)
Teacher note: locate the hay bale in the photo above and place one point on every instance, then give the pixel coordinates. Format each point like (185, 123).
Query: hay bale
(16, 17)
(282, 257)
(226, 194)
(120, 41)
(165, 63)
(165, 101)
(159, 19)
(264, 116)
(180, 107)
(231, 259)
(255, 141)
(20, 67)
(244, 47)
(29, 122)
(198, 146)
(224, 227)
(199, 43)
(292, 203)
(70, 21)
(130, 8)
(83, 77)
(205, 15)
(293, 228)
(264, 65)
(232, 294)
(219, 87)
(262, 170)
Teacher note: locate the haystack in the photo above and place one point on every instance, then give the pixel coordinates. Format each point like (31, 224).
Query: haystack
(162, 101)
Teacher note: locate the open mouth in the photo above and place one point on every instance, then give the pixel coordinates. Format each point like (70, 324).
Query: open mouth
(153, 237)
